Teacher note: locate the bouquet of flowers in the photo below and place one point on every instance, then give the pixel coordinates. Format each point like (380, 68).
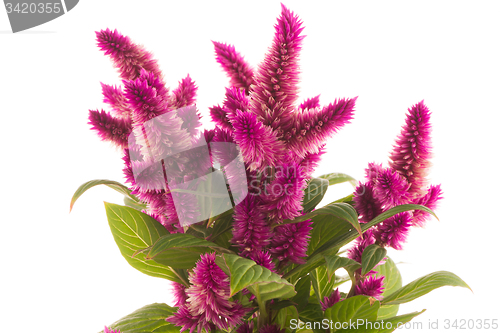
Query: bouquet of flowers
(229, 215)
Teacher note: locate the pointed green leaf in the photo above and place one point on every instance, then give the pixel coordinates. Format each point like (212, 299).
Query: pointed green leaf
(245, 273)
(341, 210)
(334, 262)
(353, 308)
(312, 314)
(322, 285)
(337, 178)
(314, 193)
(285, 315)
(422, 286)
(134, 204)
(326, 228)
(181, 250)
(109, 183)
(133, 231)
(303, 289)
(150, 318)
(372, 255)
(392, 282)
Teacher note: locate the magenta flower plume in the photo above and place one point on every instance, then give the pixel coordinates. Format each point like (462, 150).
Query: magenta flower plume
(235, 100)
(356, 252)
(258, 143)
(371, 286)
(312, 128)
(209, 295)
(190, 119)
(263, 258)
(282, 198)
(393, 231)
(373, 171)
(127, 57)
(271, 328)
(115, 98)
(107, 330)
(412, 151)
(290, 242)
(275, 90)
(310, 103)
(390, 188)
(246, 327)
(366, 203)
(251, 231)
(188, 321)
(109, 128)
(429, 200)
(236, 68)
(184, 94)
(311, 161)
(179, 291)
(219, 117)
(329, 301)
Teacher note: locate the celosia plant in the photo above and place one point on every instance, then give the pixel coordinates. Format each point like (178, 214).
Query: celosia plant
(229, 214)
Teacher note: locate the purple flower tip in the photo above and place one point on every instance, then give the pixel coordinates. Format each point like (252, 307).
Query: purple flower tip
(371, 286)
(390, 188)
(393, 231)
(290, 242)
(329, 301)
(107, 330)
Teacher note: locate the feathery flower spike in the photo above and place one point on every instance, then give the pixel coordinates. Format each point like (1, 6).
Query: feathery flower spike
(412, 151)
(275, 90)
(371, 286)
(390, 188)
(251, 231)
(263, 258)
(219, 117)
(329, 301)
(235, 100)
(429, 200)
(311, 128)
(310, 103)
(259, 145)
(109, 128)
(282, 198)
(356, 252)
(290, 242)
(236, 68)
(366, 203)
(184, 94)
(209, 295)
(188, 321)
(393, 231)
(127, 57)
(115, 98)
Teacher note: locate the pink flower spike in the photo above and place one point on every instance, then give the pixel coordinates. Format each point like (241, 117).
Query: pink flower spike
(109, 128)
(115, 98)
(107, 330)
(235, 100)
(390, 188)
(310, 103)
(329, 301)
(290, 242)
(393, 231)
(412, 151)
(312, 128)
(276, 80)
(184, 95)
(236, 68)
(366, 203)
(429, 200)
(259, 145)
(371, 286)
(219, 117)
(127, 57)
(179, 291)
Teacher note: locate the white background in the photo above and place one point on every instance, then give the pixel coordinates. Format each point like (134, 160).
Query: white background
(62, 272)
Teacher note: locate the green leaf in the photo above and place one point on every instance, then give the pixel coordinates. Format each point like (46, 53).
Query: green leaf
(337, 178)
(353, 308)
(422, 286)
(341, 210)
(285, 315)
(109, 183)
(392, 282)
(383, 326)
(181, 250)
(334, 262)
(322, 285)
(314, 193)
(245, 273)
(148, 319)
(326, 228)
(134, 204)
(133, 231)
(303, 289)
(345, 238)
(310, 315)
(372, 255)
